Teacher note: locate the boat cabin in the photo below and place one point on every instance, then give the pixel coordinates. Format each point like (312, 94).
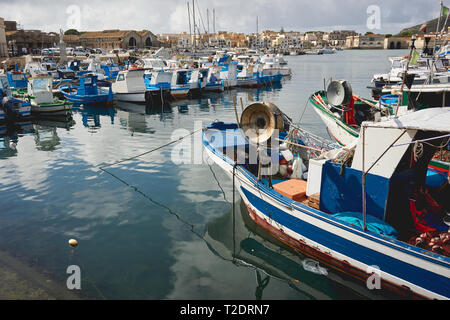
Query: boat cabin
(130, 81)
(40, 88)
(156, 80)
(17, 80)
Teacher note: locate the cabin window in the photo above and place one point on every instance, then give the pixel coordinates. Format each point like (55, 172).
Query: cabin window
(40, 85)
(121, 77)
(17, 77)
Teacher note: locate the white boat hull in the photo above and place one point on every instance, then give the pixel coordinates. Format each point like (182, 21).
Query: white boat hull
(130, 97)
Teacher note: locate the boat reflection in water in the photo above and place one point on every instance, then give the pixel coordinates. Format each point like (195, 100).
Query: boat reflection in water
(242, 242)
(90, 115)
(9, 137)
(45, 133)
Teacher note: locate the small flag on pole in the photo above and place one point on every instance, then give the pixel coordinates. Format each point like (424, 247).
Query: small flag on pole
(414, 57)
(444, 11)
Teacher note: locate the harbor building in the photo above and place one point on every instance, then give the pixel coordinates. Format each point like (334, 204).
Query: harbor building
(115, 39)
(25, 41)
(370, 41)
(3, 43)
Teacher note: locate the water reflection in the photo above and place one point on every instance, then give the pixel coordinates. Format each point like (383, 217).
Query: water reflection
(45, 133)
(239, 240)
(90, 115)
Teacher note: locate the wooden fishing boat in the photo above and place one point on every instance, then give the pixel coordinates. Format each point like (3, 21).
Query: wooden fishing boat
(88, 92)
(355, 211)
(41, 98)
(343, 116)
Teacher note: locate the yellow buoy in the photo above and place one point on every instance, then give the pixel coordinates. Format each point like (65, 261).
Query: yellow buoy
(73, 242)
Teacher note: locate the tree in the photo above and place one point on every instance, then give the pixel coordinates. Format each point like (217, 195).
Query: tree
(282, 30)
(71, 32)
(368, 33)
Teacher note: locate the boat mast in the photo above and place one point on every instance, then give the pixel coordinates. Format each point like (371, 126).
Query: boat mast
(193, 18)
(437, 29)
(190, 30)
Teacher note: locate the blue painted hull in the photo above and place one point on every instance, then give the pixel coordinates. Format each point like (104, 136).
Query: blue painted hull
(405, 269)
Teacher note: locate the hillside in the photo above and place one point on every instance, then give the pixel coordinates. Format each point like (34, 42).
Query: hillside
(430, 27)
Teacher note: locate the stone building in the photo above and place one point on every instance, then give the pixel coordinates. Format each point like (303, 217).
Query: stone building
(3, 43)
(397, 43)
(371, 41)
(119, 39)
(23, 41)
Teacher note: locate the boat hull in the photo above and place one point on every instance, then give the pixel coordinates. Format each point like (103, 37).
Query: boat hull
(401, 268)
(131, 97)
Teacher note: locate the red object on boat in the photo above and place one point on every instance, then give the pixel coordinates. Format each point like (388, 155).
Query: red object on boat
(350, 115)
(429, 206)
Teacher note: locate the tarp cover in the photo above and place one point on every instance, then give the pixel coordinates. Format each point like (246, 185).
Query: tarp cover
(373, 224)
(431, 119)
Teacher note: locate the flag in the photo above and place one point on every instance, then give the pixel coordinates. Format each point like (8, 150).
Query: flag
(414, 57)
(423, 28)
(444, 11)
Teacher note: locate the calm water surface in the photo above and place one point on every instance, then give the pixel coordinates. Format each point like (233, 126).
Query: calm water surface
(152, 229)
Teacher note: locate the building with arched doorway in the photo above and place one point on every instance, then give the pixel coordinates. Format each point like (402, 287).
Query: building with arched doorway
(394, 43)
(119, 39)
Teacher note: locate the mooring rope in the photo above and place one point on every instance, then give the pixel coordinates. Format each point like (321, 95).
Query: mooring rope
(150, 151)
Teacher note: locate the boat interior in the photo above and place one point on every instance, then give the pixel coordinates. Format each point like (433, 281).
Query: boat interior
(412, 206)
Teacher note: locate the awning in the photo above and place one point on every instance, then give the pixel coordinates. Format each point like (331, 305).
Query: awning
(431, 119)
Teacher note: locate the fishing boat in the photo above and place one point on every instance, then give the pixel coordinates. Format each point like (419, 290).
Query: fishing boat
(13, 108)
(356, 211)
(213, 81)
(130, 85)
(88, 92)
(247, 77)
(180, 85)
(271, 67)
(342, 112)
(43, 103)
(157, 84)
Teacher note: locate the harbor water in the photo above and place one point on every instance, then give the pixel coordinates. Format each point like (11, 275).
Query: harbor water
(151, 227)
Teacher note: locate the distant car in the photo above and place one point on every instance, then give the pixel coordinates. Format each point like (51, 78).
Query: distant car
(45, 52)
(99, 51)
(80, 53)
(119, 51)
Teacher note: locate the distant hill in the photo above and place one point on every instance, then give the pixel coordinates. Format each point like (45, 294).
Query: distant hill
(430, 25)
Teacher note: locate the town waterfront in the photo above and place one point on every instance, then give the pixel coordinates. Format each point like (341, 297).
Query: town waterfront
(152, 229)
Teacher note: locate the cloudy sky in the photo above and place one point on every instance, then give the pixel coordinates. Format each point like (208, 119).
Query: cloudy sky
(170, 16)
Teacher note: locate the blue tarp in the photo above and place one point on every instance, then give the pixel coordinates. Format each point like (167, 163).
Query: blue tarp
(372, 224)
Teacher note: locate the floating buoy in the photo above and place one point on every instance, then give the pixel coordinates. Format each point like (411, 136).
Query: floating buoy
(73, 242)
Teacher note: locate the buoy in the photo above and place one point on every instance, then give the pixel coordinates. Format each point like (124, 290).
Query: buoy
(73, 242)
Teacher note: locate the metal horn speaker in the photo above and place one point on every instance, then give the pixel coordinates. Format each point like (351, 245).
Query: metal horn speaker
(339, 92)
(260, 120)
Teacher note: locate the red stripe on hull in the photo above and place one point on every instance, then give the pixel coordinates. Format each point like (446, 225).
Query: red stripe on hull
(328, 260)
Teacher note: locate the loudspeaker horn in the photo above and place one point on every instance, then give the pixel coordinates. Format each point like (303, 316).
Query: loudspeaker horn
(260, 120)
(339, 92)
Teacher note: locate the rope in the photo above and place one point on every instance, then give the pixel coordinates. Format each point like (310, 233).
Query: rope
(150, 151)
(425, 141)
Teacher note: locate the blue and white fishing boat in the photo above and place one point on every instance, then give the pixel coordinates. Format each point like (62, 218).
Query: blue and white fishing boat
(180, 85)
(13, 109)
(213, 81)
(355, 211)
(88, 92)
(111, 70)
(158, 88)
